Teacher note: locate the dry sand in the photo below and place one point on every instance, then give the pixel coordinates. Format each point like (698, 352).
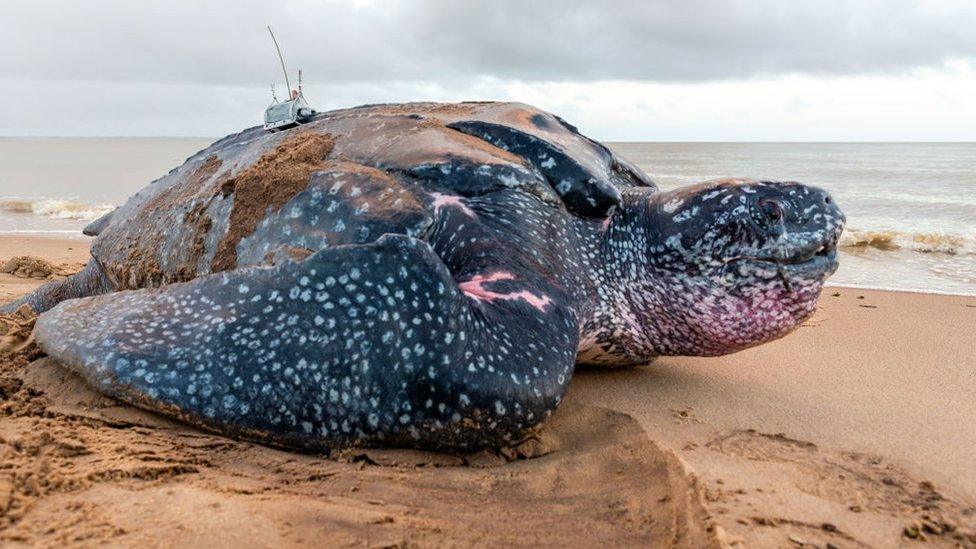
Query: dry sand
(858, 430)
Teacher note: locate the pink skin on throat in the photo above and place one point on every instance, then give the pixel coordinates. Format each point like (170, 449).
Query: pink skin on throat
(442, 200)
(474, 289)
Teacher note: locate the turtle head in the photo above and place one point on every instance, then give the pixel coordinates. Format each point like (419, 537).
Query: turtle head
(733, 263)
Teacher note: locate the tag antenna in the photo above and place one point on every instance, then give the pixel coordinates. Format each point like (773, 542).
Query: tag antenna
(280, 58)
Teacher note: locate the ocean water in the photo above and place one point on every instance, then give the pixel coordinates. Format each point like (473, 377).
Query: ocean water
(58, 185)
(911, 207)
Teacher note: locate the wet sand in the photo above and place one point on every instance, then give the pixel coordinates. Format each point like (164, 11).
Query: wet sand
(857, 430)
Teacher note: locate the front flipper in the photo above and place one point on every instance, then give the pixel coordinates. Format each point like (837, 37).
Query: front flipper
(356, 345)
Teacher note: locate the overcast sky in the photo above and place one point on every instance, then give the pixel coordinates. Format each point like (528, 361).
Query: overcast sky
(621, 70)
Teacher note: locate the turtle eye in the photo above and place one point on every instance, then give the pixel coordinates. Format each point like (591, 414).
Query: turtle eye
(771, 210)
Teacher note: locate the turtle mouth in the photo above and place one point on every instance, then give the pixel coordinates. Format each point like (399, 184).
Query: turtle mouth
(799, 267)
(801, 258)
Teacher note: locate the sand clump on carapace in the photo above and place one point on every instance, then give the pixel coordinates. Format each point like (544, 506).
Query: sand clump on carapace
(207, 240)
(270, 183)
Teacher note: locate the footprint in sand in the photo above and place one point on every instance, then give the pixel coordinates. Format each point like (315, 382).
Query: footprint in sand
(861, 482)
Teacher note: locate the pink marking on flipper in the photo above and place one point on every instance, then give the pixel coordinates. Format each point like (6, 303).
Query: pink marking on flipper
(474, 289)
(442, 200)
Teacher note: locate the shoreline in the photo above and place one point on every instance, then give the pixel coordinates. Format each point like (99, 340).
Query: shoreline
(64, 233)
(850, 430)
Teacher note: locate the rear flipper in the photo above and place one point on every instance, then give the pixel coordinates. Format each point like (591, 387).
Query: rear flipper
(87, 282)
(356, 345)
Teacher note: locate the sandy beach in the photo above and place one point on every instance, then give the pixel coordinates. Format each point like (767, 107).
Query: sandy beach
(855, 431)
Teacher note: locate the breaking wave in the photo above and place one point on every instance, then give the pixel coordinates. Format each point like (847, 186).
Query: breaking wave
(56, 208)
(920, 242)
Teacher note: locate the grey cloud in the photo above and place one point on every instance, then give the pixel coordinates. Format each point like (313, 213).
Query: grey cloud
(224, 43)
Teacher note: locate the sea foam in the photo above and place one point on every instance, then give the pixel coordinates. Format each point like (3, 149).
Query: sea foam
(56, 208)
(945, 243)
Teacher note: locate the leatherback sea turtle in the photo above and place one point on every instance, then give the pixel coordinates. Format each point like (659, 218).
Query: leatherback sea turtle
(422, 274)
